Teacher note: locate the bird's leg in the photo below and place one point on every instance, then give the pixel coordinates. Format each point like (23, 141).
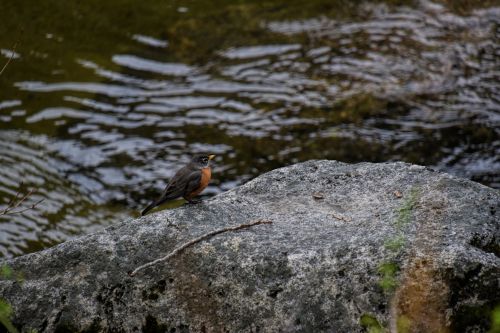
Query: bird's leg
(193, 202)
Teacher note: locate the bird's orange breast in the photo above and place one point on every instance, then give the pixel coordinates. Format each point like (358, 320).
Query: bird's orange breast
(206, 175)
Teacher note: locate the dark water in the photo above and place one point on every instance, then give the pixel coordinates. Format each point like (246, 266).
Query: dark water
(104, 100)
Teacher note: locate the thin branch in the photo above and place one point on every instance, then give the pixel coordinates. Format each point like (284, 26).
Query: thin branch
(12, 53)
(14, 199)
(197, 240)
(33, 206)
(26, 196)
(17, 200)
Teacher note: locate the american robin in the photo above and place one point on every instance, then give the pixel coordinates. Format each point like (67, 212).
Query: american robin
(188, 182)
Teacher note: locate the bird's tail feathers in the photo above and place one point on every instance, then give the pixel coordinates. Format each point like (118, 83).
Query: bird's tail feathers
(148, 208)
(154, 204)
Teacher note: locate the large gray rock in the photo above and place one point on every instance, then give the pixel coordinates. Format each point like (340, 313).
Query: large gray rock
(387, 245)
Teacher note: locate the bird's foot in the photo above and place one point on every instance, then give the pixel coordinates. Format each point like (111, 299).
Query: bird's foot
(193, 202)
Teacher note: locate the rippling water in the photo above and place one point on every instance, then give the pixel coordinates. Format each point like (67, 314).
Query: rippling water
(97, 117)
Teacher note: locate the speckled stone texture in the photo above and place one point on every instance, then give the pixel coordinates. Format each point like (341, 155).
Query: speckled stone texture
(351, 247)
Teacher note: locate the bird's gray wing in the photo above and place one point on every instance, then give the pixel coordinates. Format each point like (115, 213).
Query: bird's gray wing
(175, 189)
(193, 183)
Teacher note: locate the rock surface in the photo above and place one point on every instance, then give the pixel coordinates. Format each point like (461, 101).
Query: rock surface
(351, 248)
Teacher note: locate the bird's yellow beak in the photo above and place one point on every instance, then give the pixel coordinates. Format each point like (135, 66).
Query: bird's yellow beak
(211, 157)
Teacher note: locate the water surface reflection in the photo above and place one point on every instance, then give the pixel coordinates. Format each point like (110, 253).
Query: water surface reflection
(103, 131)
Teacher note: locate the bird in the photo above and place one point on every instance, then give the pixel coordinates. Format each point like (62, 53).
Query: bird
(188, 182)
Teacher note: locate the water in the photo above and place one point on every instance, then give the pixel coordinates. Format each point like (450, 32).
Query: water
(102, 102)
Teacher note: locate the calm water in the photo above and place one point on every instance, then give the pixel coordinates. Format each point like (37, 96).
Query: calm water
(104, 100)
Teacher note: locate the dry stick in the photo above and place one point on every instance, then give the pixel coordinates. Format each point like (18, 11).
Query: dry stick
(16, 201)
(12, 53)
(197, 240)
(12, 201)
(20, 201)
(33, 206)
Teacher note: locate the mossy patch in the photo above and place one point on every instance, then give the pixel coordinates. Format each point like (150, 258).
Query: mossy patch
(371, 324)
(389, 269)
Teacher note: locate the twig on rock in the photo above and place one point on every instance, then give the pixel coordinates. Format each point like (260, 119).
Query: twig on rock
(340, 217)
(197, 240)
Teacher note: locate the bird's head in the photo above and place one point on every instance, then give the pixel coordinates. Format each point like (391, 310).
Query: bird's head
(202, 160)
